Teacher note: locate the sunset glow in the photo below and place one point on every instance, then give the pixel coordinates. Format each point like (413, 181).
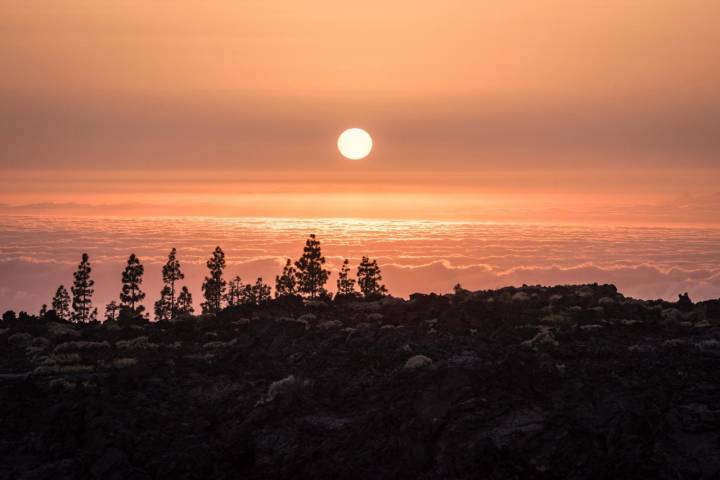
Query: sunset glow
(273, 239)
(546, 113)
(153, 104)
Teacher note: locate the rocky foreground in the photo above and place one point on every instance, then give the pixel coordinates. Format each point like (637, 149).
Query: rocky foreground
(532, 382)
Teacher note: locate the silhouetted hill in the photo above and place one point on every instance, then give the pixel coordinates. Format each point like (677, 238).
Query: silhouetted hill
(532, 382)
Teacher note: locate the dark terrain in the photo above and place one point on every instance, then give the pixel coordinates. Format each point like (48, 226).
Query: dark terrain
(562, 382)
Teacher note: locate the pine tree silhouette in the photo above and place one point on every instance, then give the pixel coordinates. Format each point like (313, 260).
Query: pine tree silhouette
(368, 275)
(43, 310)
(82, 292)
(311, 276)
(163, 306)
(184, 302)
(286, 283)
(234, 295)
(256, 294)
(111, 311)
(131, 294)
(171, 273)
(345, 284)
(262, 292)
(214, 286)
(61, 303)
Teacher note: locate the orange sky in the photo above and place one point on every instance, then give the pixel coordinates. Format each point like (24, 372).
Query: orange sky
(547, 111)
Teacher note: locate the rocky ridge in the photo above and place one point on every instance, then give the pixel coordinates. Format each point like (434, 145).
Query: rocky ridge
(531, 382)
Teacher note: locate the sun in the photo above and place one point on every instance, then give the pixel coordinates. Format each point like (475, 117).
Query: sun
(354, 143)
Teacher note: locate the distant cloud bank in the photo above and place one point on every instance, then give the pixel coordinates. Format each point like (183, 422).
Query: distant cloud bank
(38, 253)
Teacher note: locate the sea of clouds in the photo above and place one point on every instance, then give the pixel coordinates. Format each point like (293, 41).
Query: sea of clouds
(38, 253)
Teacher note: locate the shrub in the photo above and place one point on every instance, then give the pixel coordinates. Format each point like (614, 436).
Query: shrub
(66, 358)
(544, 337)
(21, 339)
(606, 302)
(284, 386)
(40, 342)
(60, 329)
(708, 344)
(45, 370)
(217, 344)
(558, 319)
(111, 326)
(77, 368)
(520, 297)
(638, 348)
(417, 361)
(124, 362)
(81, 345)
(138, 343)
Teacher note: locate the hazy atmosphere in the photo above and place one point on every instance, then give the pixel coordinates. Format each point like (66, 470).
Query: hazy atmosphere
(549, 113)
(498, 111)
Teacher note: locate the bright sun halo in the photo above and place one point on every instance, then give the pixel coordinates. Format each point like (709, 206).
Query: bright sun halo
(354, 143)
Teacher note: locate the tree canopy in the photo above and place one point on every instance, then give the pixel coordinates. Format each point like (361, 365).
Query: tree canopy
(311, 276)
(214, 285)
(345, 284)
(286, 282)
(131, 294)
(82, 291)
(368, 276)
(171, 273)
(61, 303)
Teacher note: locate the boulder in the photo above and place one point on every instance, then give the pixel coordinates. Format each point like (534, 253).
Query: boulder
(417, 361)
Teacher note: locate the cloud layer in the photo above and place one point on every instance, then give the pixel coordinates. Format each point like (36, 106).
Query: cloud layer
(39, 253)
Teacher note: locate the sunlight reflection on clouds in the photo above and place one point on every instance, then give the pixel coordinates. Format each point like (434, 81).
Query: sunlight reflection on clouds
(38, 253)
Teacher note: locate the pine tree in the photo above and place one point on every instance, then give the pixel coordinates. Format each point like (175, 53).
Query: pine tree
(111, 311)
(345, 284)
(263, 292)
(286, 283)
(214, 286)
(256, 294)
(82, 292)
(171, 273)
(43, 310)
(234, 295)
(368, 275)
(61, 303)
(163, 306)
(311, 276)
(132, 294)
(184, 302)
